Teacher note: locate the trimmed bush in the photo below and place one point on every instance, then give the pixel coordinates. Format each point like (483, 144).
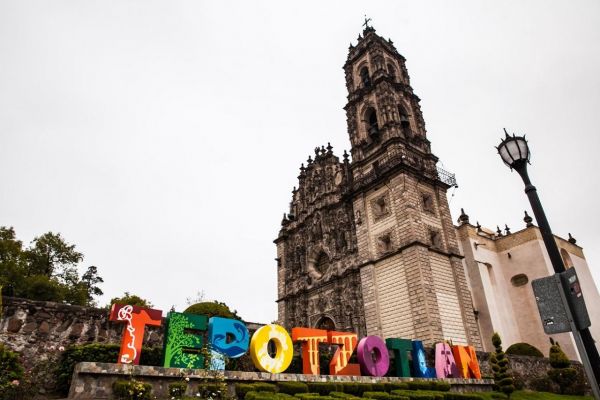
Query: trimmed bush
(420, 394)
(376, 395)
(323, 388)
(378, 387)
(438, 386)
(524, 349)
(356, 388)
(97, 352)
(264, 387)
(499, 364)
(341, 395)
(11, 374)
(292, 387)
(132, 390)
(252, 395)
(462, 396)
(389, 386)
(308, 396)
(177, 389)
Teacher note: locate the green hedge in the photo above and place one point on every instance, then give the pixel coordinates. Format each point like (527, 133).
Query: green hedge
(253, 395)
(177, 390)
(342, 395)
(376, 395)
(97, 352)
(429, 385)
(419, 394)
(241, 389)
(324, 388)
(357, 388)
(389, 386)
(292, 387)
(132, 390)
(524, 349)
(461, 396)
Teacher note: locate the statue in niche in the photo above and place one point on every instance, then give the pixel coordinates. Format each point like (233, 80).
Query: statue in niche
(317, 230)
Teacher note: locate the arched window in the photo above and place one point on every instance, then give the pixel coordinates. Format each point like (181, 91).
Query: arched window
(566, 258)
(404, 122)
(326, 323)
(364, 76)
(391, 71)
(322, 263)
(371, 121)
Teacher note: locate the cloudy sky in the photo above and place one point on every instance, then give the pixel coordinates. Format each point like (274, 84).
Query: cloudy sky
(164, 138)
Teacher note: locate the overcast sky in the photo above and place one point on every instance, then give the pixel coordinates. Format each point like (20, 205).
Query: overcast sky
(164, 138)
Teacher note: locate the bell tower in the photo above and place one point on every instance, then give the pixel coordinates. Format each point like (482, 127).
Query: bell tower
(368, 245)
(412, 277)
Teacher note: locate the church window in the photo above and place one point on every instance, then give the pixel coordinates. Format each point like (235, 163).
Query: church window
(384, 243)
(380, 206)
(435, 239)
(364, 77)
(404, 122)
(371, 121)
(391, 71)
(566, 258)
(519, 280)
(322, 263)
(326, 323)
(427, 202)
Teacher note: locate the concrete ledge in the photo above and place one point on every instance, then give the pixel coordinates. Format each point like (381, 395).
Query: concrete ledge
(93, 380)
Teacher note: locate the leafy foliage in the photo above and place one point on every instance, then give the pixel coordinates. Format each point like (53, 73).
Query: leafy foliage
(212, 309)
(97, 352)
(562, 373)
(47, 270)
(10, 366)
(524, 349)
(132, 390)
(131, 299)
(499, 364)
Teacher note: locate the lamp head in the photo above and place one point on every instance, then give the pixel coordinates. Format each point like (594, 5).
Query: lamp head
(514, 151)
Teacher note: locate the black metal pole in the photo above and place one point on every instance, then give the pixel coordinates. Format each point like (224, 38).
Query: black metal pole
(555, 258)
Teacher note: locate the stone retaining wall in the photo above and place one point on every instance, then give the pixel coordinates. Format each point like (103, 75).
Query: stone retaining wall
(94, 380)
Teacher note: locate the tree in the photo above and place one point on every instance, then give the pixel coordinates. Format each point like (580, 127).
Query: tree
(47, 270)
(562, 373)
(212, 309)
(130, 299)
(499, 362)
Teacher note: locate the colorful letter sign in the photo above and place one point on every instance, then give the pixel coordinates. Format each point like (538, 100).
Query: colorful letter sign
(310, 339)
(339, 364)
(420, 368)
(445, 366)
(136, 319)
(259, 349)
(271, 347)
(373, 356)
(466, 360)
(401, 349)
(184, 340)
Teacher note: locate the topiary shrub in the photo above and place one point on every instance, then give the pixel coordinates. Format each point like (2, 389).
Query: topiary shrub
(376, 395)
(419, 395)
(429, 385)
(356, 388)
(264, 387)
(241, 389)
(132, 390)
(499, 363)
(292, 387)
(342, 395)
(323, 388)
(177, 390)
(97, 352)
(562, 373)
(252, 395)
(389, 386)
(524, 349)
(212, 309)
(462, 396)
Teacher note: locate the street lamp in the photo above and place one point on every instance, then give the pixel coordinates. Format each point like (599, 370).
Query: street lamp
(515, 153)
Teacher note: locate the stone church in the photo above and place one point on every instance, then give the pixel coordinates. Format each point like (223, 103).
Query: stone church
(369, 245)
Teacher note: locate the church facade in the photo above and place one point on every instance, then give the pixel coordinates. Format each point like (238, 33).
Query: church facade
(369, 245)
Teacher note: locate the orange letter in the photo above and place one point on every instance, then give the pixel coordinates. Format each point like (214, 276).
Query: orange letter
(347, 343)
(310, 339)
(133, 334)
(466, 361)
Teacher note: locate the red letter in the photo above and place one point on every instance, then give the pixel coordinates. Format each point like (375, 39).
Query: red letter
(310, 339)
(133, 334)
(466, 361)
(347, 343)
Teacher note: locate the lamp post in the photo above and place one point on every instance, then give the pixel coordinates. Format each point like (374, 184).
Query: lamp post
(515, 153)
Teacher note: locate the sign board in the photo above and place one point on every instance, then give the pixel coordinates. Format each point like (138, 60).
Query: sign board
(550, 305)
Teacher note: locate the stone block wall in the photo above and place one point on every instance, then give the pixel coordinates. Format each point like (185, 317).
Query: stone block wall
(38, 329)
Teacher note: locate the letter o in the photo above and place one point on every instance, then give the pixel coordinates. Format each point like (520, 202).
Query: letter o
(373, 357)
(284, 350)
